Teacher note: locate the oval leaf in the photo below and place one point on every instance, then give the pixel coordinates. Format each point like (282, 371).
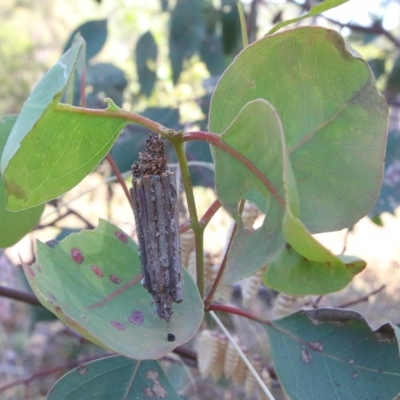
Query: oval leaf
(265, 177)
(339, 348)
(53, 147)
(95, 35)
(291, 273)
(334, 120)
(146, 53)
(46, 93)
(91, 281)
(15, 225)
(97, 380)
(256, 123)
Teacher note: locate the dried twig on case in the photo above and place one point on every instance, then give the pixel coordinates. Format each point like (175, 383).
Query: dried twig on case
(154, 200)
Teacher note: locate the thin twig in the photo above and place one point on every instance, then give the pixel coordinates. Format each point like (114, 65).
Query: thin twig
(20, 296)
(120, 179)
(205, 219)
(69, 211)
(50, 371)
(185, 352)
(224, 261)
(345, 239)
(221, 271)
(242, 356)
(376, 28)
(362, 299)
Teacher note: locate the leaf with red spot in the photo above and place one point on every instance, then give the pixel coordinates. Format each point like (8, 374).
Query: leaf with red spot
(91, 281)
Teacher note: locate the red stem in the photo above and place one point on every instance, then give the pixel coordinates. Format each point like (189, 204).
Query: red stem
(120, 179)
(237, 311)
(185, 226)
(18, 295)
(216, 141)
(221, 271)
(215, 206)
(50, 371)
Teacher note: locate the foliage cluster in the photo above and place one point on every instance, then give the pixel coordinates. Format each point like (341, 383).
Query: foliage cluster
(296, 128)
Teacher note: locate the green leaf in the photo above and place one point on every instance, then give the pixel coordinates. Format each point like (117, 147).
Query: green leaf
(377, 66)
(186, 17)
(53, 147)
(15, 225)
(393, 79)
(291, 273)
(230, 26)
(333, 354)
(334, 120)
(389, 196)
(95, 35)
(146, 53)
(91, 281)
(106, 80)
(275, 194)
(315, 10)
(116, 378)
(212, 55)
(257, 123)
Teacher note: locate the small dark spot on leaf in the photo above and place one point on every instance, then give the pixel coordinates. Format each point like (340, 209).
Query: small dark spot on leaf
(136, 317)
(76, 255)
(171, 337)
(354, 375)
(306, 356)
(118, 325)
(115, 279)
(38, 267)
(121, 236)
(58, 310)
(82, 370)
(97, 271)
(52, 243)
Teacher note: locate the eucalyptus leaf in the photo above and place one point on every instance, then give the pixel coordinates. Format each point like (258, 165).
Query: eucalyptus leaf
(116, 378)
(272, 187)
(15, 225)
(95, 35)
(333, 354)
(91, 281)
(291, 273)
(52, 147)
(146, 53)
(334, 120)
